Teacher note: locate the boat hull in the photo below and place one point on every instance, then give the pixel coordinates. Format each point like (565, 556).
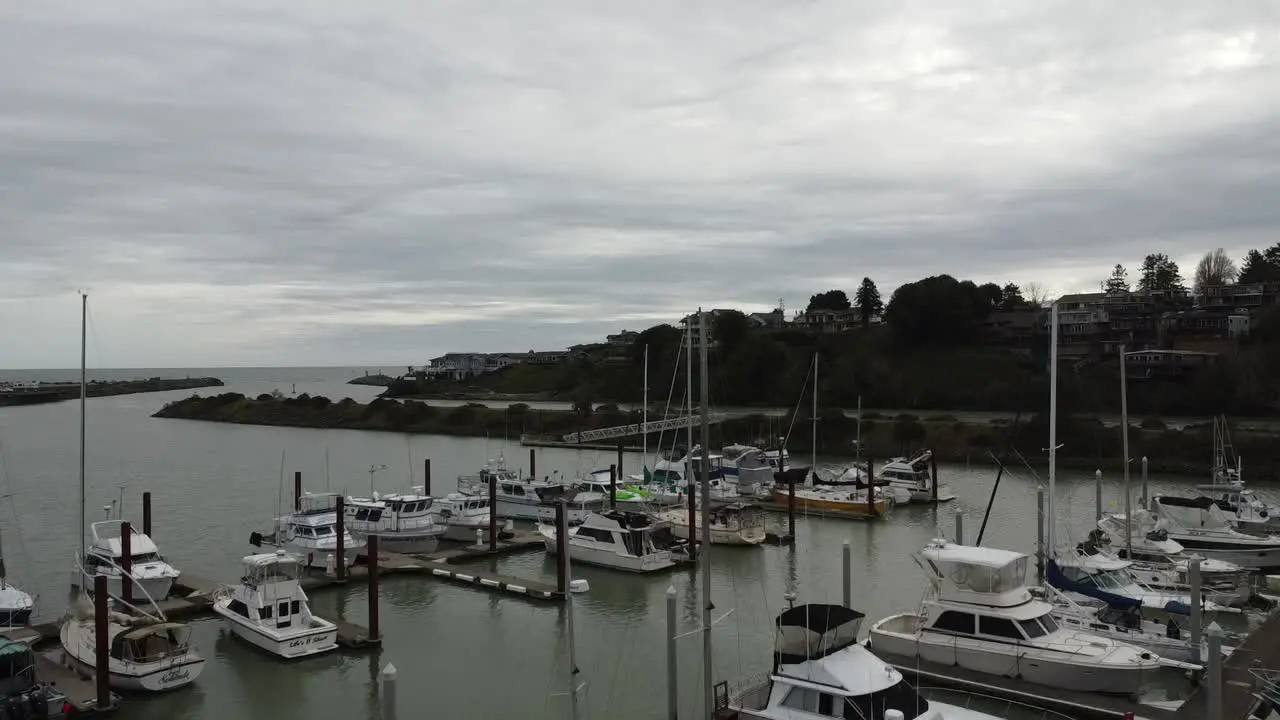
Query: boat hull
(14, 617)
(162, 676)
(722, 536)
(464, 533)
(312, 641)
(156, 588)
(538, 511)
(653, 562)
(858, 509)
(408, 543)
(1009, 660)
(1260, 557)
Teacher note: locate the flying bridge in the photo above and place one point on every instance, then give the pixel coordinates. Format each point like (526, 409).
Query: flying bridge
(621, 431)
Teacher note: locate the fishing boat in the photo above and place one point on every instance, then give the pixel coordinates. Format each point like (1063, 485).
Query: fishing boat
(403, 522)
(1199, 525)
(462, 515)
(820, 670)
(146, 653)
(978, 614)
(152, 576)
(269, 609)
(618, 539)
(914, 475)
(311, 532)
(529, 498)
(732, 524)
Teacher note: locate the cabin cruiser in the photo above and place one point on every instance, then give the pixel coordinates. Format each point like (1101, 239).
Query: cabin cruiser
(15, 606)
(1087, 573)
(618, 539)
(153, 577)
(403, 522)
(979, 615)
(1243, 506)
(626, 494)
(670, 479)
(820, 670)
(462, 515)
(269, 608)
(529, 498)
(915, 476)
(1163, 563)
(1199, 525)
(732, 524)
(145, 653)
(751, 468)
(311, 532)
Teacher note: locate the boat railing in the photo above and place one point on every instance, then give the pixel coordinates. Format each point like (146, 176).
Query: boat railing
(980, 702)
(1268, 683)
(79, 567)
(749, 693)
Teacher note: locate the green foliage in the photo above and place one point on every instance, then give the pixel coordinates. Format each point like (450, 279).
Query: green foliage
(730, 329)
(1261, 266)
(938, 311)
(867, 301)
(1011, 297)
(1118, 282)
(830, 300)
(1159, 273)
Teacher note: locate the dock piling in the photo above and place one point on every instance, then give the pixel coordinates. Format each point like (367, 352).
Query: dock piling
(613, 485)
(493, 513)
(102, 642)
(340, 557)
(374, 615)
(673, 677)
(1097, 495)
(389, 692)
(933, 472)
(562, 547)
(1040, 534)
(846, 569)
(146, 513)
(959, 527)
(1213, 638)
(1144, 481)
(126, 561)
(533, 464)
(1197, 606)
(619, 461)
(297, 491)
(426, 476)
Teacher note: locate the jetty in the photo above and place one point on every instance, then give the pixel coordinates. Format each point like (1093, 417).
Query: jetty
(45, 392)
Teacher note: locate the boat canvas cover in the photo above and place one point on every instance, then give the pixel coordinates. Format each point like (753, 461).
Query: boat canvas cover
(1200, 512)
(15, 658)
(1057, 579)
(809, 632)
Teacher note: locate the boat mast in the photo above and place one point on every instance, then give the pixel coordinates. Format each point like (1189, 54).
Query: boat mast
(857, 458)
(688, 366)
(813, 450)
(1053, 422)
(707, 605)
(644, 436)
(84, 392)
(574, 686)
(1124, 420)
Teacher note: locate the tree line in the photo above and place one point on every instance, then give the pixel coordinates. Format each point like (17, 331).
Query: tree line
(1159, 272)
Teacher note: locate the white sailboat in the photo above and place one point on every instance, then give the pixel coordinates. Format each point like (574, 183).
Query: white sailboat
(269, 608)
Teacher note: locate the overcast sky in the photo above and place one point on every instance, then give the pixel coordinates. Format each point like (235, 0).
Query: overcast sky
(302, 182)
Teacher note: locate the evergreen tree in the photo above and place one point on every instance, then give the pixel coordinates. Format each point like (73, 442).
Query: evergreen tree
(867, 301)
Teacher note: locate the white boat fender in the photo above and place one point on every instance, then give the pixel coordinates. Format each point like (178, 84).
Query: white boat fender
(579, 585)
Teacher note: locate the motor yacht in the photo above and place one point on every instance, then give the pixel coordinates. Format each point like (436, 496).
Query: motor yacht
(820, 670)
(462, 515)
(311, 532)
(15, 605)
(152, 576)
(1200, 526)
(1162, 563)
(147, 653)
(627, 494)
(403, 522)
(529, 498)
(978, 614)
(915, 476)
(732, 524)
(618, 539)
(269, 609)
(1087, 573)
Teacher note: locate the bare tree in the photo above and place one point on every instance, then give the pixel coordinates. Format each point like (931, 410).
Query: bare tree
(1215, 268)
(1035, 294)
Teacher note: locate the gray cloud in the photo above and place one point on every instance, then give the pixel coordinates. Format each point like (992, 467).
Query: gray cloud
(243, 182)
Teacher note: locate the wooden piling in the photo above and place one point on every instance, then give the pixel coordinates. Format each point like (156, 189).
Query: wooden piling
(613, 485)
(619, 461)
(126, 562)
(340, 507)
(297, 491)
(562, 548)
(146, 514)
(533, 464)
(426, 476)
(372, 560)
(933, 473)
(102, 642)
(493, 513)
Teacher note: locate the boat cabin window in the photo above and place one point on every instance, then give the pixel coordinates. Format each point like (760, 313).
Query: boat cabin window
(324, 531)
(901, 697)
(238, 608)
(145, 557)
(998, 627)
(596, 534)
(512, 489)
(264, 612)
(800, 698)
(369, 514)
(1033, 629)
(956, 622)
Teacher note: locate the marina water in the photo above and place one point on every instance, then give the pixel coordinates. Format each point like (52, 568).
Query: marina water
(460, 652)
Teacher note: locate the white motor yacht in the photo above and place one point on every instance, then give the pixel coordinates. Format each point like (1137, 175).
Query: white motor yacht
(820, 670)
(152, 575)
(915, 476)
(1243, 506)
(979, 615)
(403, 522)
(529, 498)
(1200, 526)
(269, 608)
(1162, 563)
(617, 539)
(15, 605)
(733, 524)
(145, 654)
(311, 532)
(462, 515)
(1088, 573)
(750, 468)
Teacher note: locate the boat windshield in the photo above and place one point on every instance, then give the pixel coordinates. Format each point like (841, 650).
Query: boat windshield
(900, 696)
(1038, 627)
(1109, 579)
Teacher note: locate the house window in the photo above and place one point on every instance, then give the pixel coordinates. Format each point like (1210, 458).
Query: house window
(998, 627)
(956, 622)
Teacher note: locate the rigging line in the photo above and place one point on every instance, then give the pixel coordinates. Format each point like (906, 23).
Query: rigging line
(93, 332)
(8, 487)
(675, 375)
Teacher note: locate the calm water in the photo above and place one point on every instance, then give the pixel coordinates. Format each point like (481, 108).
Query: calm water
(461, 653)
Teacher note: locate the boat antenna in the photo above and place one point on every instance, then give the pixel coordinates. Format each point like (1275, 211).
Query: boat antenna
(84, 392)
(707, 605)
(373, 469)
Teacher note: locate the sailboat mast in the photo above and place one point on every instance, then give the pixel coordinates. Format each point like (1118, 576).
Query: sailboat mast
(688, 367)
(858, 452)
(1053, 423)
(1124, 421)
(813, 450)
(84, 392)
(644, 436)
(707, 605)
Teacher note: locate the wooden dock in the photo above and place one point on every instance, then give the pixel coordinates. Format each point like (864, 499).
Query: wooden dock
(1260, 649)
(1085, 706)
(81, 692)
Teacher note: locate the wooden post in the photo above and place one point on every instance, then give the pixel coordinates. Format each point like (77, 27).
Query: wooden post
(933, 473)
(493, 513)
(426, 476)
(562, 547)
(340, 506)
(297, 491)
(619, 460)
(613, 486)
(533, 463)
(146, 513)
(374, 631)
(126, 562)
(102, 642)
